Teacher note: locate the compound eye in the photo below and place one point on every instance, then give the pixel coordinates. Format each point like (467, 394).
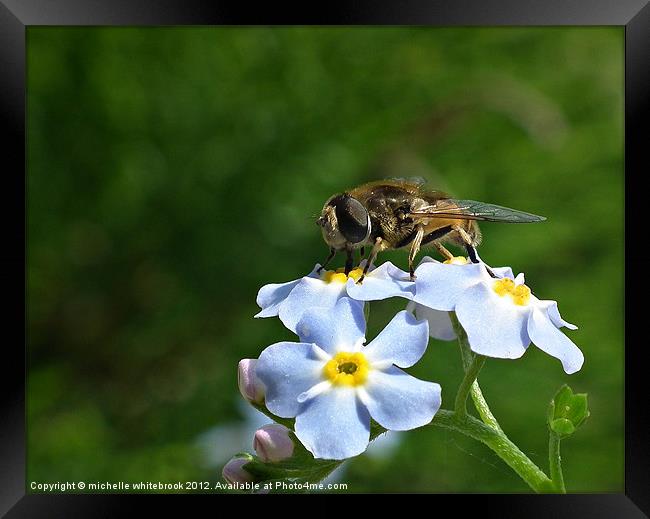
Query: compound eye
(352, 218)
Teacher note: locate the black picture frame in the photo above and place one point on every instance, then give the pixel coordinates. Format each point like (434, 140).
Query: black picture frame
(17, 15)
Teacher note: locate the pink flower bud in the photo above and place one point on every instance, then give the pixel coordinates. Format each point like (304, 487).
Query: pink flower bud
(250, 386)
(273, 443)
(233, 471)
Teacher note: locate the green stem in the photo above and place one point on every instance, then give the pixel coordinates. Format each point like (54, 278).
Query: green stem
(555, 462)
(482, 407)
(468, 381)
(500, 444)
(480, 403)
(475, 429)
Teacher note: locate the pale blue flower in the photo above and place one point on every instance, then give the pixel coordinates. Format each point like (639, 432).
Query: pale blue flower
(333, 384)
(440, 326)
(290, 300)
(500, 314)
(382, 282)
(386, 281)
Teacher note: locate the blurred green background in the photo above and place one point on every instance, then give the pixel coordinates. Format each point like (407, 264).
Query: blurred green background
(174, 171)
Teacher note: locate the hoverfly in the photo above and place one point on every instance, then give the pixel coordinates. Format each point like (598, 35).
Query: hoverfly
(397, 213)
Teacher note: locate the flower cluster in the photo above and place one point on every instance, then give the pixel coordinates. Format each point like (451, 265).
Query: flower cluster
(335, 383)
(497, 310)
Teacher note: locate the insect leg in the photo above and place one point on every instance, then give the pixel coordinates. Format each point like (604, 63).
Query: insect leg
(371, 258)
(407, 239)
(471, 251)
(327, 260)
(349, 261)
(443, 251)
(415, 247)
(435, 235)
(438, 233)
(463, 234)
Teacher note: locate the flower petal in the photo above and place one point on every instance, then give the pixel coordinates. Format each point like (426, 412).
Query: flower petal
(398, 401)
(309, 293)
(549, 339)
(503, 272)
(402, 342)
(334, 425)
(440, 326)
(495, 326)
(427, 259)
(288, 369)
(271, 296)
(439, 286)
(554, 314)
(336, 329)
(385, 281)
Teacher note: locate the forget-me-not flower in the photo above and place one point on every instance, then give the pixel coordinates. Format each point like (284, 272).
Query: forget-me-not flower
(440, 326)
(500, 314)
(333, 384)
(290, 300)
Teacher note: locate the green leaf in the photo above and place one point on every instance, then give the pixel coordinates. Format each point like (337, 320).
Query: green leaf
(563, 427)
(567, 411)
(294, 469)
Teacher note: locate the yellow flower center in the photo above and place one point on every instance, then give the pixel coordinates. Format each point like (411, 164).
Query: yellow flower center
(339, 276)
(456, 260)
(520, 294)
(347, 369)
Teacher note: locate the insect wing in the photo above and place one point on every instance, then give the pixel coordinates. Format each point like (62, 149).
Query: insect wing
(473, 210)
